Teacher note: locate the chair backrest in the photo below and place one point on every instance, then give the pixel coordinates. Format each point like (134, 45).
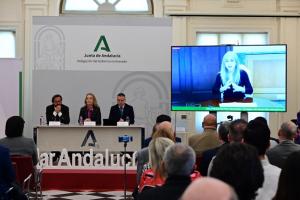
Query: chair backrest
(24, 167)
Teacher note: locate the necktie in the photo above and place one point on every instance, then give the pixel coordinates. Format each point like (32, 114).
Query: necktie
(121, 111)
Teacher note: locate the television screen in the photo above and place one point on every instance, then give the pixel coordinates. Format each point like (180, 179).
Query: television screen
(229, 78)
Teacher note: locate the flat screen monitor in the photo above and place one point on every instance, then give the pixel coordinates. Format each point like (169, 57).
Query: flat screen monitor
(229, 78)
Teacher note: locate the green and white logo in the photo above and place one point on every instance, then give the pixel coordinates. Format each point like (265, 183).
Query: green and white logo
(102, 43)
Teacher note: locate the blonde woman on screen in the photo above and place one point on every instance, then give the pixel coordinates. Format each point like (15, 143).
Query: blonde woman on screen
(232, 82)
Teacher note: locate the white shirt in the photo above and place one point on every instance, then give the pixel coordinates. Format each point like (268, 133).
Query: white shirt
(271, 174)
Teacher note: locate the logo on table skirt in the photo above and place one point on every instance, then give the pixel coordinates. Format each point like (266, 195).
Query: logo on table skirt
(89, 134)
(102, 43)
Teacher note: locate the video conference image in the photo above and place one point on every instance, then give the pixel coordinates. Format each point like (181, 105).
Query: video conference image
(229, 78)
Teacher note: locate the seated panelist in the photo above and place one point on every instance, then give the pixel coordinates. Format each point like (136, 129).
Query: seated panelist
(121, 111)
(57, 111)
(91, 110)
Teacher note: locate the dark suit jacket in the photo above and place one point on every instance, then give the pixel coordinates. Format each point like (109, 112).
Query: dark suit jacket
(96, 115)
(7, 175)
(206, 158)
(278, 154)
(64, 118)
(171, 190)
(115, 114)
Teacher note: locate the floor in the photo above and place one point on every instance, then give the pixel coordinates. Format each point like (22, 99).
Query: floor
(86, 195)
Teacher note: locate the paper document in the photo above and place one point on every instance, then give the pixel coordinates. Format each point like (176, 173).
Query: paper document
(237, 104)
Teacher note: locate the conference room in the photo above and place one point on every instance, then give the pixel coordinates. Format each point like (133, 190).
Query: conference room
(90, 86)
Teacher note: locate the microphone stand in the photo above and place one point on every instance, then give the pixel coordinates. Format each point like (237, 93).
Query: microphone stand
(125, 175)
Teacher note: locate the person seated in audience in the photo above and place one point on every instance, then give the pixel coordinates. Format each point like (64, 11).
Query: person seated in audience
(273, 141)
(237, 130)
(279, 153)
(164, 129)
(236, 133)
(297, 123)
(207, 188)
(153, 175)
(121, 111)
(178, 163)
(7, 175)
(289, 179)
(57, 111)
(14, 140)
(91, 110)
(238, 165)
(161, 118)
(208, 139)
(8, 188)
(258, 135)
(207, 155)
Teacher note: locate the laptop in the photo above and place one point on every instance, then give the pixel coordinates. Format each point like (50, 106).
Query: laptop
(108, 122)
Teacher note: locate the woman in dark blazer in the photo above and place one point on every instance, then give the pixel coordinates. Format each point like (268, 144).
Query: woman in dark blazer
(91, 110)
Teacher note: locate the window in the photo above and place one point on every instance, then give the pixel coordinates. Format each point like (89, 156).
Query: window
(107, 6)
(231, 38)
(7, 44)
(210, 38)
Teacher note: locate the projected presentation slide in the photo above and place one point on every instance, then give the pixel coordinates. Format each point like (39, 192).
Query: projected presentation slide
(229, 78)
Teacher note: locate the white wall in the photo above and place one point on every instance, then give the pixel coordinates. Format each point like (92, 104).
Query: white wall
(16, 14)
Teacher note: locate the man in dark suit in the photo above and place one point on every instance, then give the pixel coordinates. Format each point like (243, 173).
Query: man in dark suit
(278, 154)
(121, 111)
(178, 161)
(57, 111)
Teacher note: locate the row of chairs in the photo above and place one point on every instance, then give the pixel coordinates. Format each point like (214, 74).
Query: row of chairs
(27, 176)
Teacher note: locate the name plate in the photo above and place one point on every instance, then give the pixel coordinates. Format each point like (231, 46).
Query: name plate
(89, 123)
(122, 124)
(54, 123)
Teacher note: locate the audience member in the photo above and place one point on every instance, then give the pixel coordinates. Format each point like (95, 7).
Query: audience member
(237, 129)
(208, 139)
(7, 175)
(153, 174)
(258, 135)
(164, 129)
(178, 163)
(223, 131)
(209, 189)
(57, 111)
(289, 180)
(159, 119)
(8, 188)
(273, 141)
(14, 140)
(238, 165)
(297, 123)
(279, 153)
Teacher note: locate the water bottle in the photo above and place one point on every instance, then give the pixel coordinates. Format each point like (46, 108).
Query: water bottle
(80, 120)
(42, 121)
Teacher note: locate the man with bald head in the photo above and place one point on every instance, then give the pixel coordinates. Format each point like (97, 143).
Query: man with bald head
(208, 139)
(286, 134)
(209, 189)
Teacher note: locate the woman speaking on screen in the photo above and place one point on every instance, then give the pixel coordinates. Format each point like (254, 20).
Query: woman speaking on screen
(232, 82)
